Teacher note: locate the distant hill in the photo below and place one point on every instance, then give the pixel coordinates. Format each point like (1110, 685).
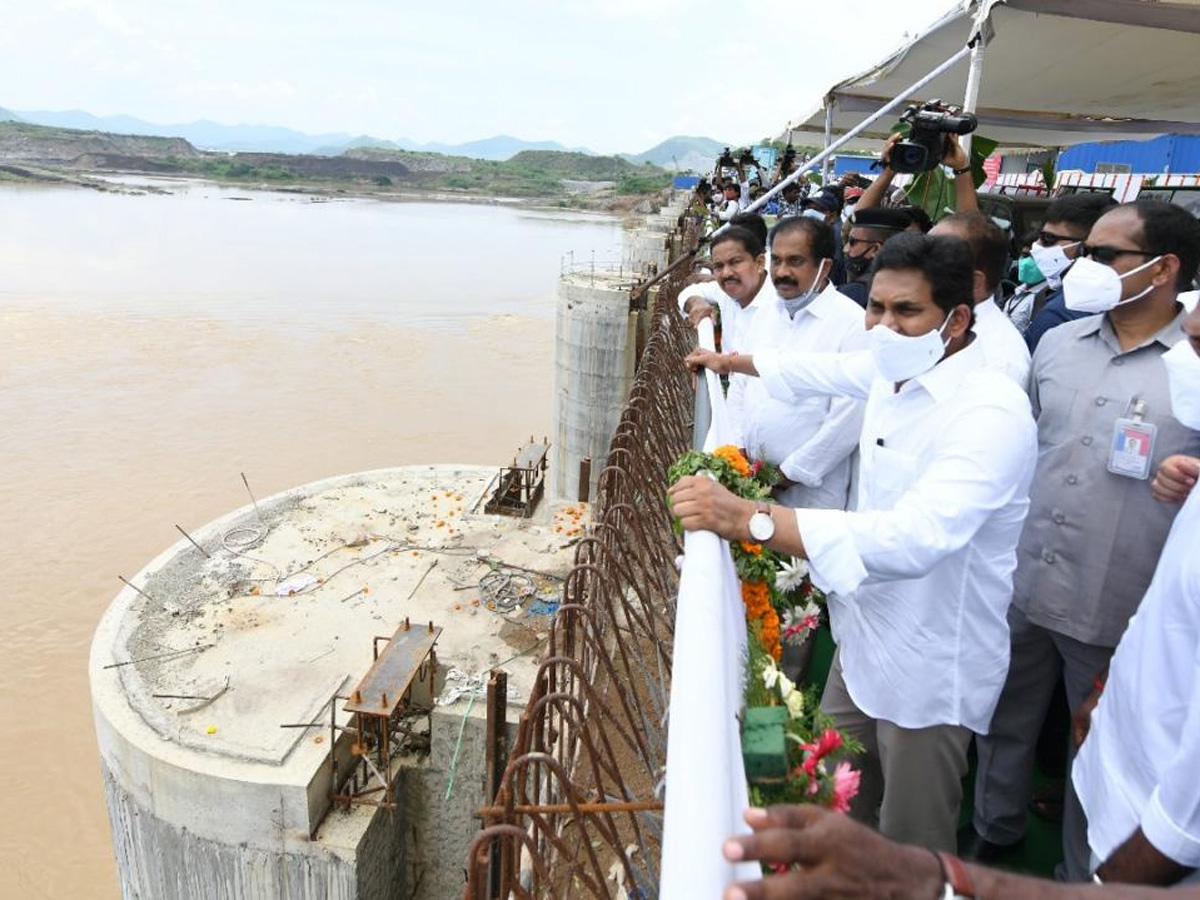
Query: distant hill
(682, 153)
(274, 139)
(9, 116)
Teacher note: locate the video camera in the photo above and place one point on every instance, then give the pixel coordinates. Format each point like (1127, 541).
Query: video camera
(929, 127)
(747, 157)
(726, 160)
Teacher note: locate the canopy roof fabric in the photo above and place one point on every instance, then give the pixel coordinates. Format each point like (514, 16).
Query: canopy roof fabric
(1055, 72)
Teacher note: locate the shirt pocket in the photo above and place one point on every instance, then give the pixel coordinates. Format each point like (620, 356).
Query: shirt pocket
(892, 473)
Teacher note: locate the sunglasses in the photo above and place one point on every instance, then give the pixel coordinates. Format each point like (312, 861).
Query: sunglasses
(854, 242)
(1049, 239)
(1108, 255)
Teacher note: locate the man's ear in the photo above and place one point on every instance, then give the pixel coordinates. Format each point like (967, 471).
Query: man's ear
(960, 321)
(1168, 270)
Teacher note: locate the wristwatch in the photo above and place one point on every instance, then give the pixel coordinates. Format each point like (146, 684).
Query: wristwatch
(956, 880)
(963, 171)
(762, 526)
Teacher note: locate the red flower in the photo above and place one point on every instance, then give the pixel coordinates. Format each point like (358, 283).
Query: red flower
(828, 742)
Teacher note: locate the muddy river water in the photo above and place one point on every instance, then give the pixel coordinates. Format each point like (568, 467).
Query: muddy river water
(153, 347)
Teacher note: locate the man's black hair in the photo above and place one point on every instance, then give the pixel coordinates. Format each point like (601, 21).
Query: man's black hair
(752, 222)
(732, 186)
(944, 262)
(1080, 210)
(1167, 228)
(988, 245)
(920, 218)
(750, 242)
(820, 236)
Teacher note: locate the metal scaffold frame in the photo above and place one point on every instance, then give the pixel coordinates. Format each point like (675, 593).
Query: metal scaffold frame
(578, 811)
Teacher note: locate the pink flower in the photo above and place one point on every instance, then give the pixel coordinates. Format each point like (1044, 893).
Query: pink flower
(756, 467)
(845, 787)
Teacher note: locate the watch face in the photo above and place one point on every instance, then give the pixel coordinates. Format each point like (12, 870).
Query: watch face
(762, 526)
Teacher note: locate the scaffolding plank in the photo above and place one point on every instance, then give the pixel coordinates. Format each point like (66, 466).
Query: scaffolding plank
(383, 687)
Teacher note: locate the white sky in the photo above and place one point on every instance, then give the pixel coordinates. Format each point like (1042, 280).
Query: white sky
(612, 75)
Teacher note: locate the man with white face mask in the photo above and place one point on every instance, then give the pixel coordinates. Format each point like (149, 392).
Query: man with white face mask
(1088, 551)
(1038, 307)
(1136, 772)
(919, 575)
(811, 441)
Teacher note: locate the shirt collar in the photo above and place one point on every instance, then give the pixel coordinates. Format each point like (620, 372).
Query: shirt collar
(1169, 335)
(943, 380)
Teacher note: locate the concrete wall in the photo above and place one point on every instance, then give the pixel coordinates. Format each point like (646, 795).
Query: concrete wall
(593, 370)
(645, 248)
(156, 858)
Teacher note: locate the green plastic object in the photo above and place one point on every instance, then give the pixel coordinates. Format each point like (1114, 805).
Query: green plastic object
(764, 749)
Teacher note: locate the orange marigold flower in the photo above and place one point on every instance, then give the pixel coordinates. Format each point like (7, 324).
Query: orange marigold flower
(752, 549)
(733, 456)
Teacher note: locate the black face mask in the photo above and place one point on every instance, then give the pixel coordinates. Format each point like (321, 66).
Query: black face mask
(857, 266)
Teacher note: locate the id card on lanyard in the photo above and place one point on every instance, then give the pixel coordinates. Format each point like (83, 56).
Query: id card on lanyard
(1132, 447)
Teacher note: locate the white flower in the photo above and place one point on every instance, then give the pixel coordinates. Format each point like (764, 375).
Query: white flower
(791, 575)
(812, 610)
(771, 676)
(795, 704)
(785, 686)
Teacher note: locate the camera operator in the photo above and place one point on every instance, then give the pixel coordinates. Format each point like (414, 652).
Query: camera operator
(955, 159)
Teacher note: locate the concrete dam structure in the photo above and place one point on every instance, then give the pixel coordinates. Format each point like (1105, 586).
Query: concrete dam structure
(225, 678)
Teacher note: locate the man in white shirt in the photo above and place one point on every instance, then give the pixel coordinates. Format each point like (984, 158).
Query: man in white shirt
(1003, 346)
(740, 286)
(734, 201)
(811, 440)
(1137, 774)
(920, 574)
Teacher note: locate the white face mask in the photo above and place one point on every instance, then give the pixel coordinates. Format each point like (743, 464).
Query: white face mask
(798, 303)
(1092, 287)
(899, 357)
(1052, 260)
(814, 214)
(1183, 376)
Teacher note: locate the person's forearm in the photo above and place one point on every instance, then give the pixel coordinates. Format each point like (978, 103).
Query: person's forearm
(740, 364)
(965, 199)
(873, 196)
(1137, 861)
(997, 885)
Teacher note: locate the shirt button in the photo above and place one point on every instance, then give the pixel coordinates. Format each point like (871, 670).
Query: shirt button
(1049, 557)
(1059, 517)
(1100, 401)
(1072, 479)
(1118, 361)
(1086, 440)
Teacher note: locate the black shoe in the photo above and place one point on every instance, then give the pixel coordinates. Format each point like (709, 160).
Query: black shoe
(973, 848)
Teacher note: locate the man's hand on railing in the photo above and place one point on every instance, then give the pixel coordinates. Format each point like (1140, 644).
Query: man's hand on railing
(828, 855)
(701, 504)
(705, 359)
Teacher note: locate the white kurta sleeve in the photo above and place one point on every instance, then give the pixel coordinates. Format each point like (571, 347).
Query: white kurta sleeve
(834, 441)
(789, 377)
(1171, 820)
(982, 462)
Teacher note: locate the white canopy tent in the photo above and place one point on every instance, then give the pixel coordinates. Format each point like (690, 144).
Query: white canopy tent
(1049, 73)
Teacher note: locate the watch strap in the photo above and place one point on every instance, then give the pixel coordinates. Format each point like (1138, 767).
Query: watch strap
(963, 171)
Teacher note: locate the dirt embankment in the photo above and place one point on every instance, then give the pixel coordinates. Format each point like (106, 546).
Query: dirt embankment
(38, 145)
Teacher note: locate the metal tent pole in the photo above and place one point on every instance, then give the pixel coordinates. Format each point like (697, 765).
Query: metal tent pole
(859, 128)
(830, 108)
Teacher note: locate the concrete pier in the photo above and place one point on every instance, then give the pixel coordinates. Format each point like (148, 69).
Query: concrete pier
(192, 679)
(594, 360)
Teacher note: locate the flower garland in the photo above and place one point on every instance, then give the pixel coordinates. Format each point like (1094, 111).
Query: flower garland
(782, 607)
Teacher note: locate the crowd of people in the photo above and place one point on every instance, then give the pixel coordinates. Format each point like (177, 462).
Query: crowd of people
(988, 465)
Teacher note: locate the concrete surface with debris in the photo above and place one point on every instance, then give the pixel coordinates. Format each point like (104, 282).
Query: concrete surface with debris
(259, 627)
